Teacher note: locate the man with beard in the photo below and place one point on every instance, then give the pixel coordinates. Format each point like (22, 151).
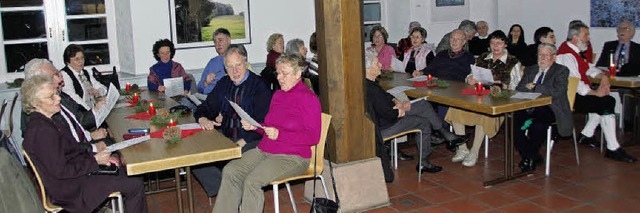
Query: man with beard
(597, 102)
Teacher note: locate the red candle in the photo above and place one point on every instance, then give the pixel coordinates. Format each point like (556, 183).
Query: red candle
(612, 67)
(127, 87)
(479, 88)
(429, 77)
(172, 123)
(135, 98)
(152, 109)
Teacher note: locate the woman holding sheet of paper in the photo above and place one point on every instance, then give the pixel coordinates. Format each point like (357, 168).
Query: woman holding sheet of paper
(506, 74)
(163, 52)
(290, 128)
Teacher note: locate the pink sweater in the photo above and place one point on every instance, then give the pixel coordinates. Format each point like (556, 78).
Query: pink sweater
(384, 56)
(297, 116)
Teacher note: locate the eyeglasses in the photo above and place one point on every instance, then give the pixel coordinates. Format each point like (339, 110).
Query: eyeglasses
(540, 55)
(283, 74)
(234, 66)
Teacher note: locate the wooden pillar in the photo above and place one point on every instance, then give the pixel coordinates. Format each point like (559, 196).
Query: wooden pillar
(340, 53)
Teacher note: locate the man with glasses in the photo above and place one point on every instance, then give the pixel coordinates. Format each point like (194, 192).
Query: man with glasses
(626, 53)
(243, 88)
(548, 78)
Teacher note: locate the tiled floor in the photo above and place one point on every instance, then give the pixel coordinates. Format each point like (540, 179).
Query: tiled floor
(598, 184)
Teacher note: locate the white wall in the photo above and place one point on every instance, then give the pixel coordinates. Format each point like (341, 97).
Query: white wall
(150, 21)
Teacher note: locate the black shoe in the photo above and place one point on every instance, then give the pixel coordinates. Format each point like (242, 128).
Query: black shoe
(429, 168)
(527, 165)
(403, 156)
(452, 145)
(435, 140)
(589, 141)
(620, 155)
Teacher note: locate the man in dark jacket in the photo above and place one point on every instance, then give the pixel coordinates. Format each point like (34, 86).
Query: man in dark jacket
(626, 53)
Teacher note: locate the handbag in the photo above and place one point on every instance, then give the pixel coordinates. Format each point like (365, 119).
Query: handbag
(321, 204)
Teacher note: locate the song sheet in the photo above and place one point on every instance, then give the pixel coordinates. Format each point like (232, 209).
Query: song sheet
(483, 75)
(399, 89)
(244, 115)
(112, 97)
(173, 86)
(128, 143)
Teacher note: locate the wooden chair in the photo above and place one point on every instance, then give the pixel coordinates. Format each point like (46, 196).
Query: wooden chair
(50, 207)
(394, 148)
(318, 158)
(571, 95)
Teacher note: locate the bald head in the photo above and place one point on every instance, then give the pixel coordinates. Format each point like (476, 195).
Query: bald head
(625, 31)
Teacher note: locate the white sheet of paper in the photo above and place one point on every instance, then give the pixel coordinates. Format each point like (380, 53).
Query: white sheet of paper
(526, 95)
(112, 97)
(120, 105)
(399, 89)
(483, 75)
(418, 99)
(189, 126)
(194, 99)
(200, 96)
(419, 78)
(244, 115)
(128, 143)
(397, 65)
(174, 86)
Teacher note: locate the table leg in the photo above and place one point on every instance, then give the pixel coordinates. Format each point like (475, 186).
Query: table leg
(179, 191)
(508, 154)
(189, 189)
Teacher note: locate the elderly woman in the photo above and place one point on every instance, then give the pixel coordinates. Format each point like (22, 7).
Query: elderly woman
(163, 52)
(83, 88)
(296, 47)
(419, 56)
(516, 45)
(290, 128)
(63, 164)
(275, 47)
(378, 38)
(506, 74)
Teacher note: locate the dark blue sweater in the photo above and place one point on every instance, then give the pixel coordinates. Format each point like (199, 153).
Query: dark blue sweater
(454, 68)
(252, 95)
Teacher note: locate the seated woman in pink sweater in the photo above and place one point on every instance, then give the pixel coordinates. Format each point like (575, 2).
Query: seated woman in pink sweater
(291, 128)
(378, 37)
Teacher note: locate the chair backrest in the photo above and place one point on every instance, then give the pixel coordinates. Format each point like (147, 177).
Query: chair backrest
(4, 105)
(319, 157)
(571, 90)
(11, 111)
(45, 200)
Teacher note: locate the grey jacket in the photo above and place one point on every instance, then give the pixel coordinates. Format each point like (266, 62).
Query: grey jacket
(554, 84)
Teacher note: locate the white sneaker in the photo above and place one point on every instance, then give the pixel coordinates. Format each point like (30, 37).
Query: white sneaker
(461, 154)
(470, 160)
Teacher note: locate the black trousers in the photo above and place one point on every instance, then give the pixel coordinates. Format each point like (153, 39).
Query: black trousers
(529, 145)
(593, 104)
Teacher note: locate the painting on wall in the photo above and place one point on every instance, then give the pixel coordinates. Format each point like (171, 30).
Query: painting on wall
(445, 3)
(609, 13)
(194, 21)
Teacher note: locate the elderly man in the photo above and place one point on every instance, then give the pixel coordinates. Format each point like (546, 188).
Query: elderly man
(467, 27)
(247, 90)
(480, 44)
(214, 71)
(626, 53)
(542, 35)
(453, 63)
(548, 78)
(68, 117)
(394, 116)
(597, 102)
(405, 43)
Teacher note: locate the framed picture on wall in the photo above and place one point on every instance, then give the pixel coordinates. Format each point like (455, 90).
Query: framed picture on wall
(445, 3)
(194, 21)
(610, 13)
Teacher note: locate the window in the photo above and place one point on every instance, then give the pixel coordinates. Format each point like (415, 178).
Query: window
(43, 29)
(372, 16)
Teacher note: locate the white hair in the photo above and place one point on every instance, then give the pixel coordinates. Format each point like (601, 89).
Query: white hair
(369, 55)
(34, 67)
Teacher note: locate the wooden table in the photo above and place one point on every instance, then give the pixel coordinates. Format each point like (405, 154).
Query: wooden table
(157, 155)
(453, 97)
